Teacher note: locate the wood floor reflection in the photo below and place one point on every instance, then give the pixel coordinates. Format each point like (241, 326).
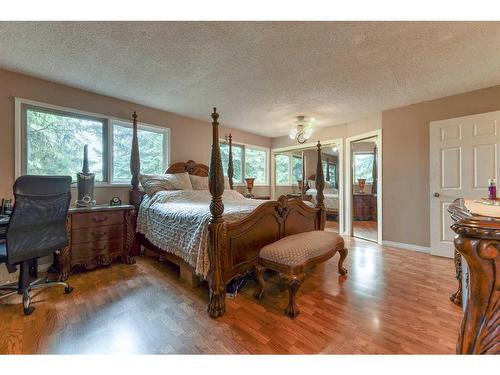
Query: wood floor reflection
(393, 301)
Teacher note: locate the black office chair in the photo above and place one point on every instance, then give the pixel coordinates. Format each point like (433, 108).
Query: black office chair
(36, 229)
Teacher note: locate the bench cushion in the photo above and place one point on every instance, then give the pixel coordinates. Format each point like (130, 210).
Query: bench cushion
(297, 249)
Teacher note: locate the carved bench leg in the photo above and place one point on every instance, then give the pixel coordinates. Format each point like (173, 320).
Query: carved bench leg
(259, 275)
(343, 254)
(294, 283)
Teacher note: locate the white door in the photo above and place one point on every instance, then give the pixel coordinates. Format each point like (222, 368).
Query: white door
(464, 154)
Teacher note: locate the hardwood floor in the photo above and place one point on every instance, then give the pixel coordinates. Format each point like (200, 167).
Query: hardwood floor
(365, 230)
(392, 301)
(332, 225)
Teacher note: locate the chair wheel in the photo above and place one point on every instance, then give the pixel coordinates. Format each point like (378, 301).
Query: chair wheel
(29, 310)
(68, 290)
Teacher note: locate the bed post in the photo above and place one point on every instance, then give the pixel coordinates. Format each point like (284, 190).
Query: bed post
(135, 164)
(216, 227)
(230, 166)
(320, 185)
(135, 195)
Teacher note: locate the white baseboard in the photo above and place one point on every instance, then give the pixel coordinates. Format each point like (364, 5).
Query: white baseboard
(407, 246)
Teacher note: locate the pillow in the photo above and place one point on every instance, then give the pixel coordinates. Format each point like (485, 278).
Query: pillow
(199, 183)
(312, 184)
(171, 181)
(154, 183)
(185, 180)
(226, 183)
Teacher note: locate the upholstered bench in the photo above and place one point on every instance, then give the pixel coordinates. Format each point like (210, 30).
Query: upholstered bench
(293, 255)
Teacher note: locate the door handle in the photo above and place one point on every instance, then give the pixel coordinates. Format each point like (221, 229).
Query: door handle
(437, 195)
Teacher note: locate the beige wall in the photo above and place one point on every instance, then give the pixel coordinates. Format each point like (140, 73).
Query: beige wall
(190, 138)
(405, 136)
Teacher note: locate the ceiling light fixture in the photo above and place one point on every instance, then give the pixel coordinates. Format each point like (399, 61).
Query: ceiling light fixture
(302, 129)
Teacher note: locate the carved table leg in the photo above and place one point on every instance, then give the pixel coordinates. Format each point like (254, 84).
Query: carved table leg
(259, 275)
(63, 257)
(479, 332)
(63, 263)
(456, 297)
(129, 237)
(294, 283)
(343, 254)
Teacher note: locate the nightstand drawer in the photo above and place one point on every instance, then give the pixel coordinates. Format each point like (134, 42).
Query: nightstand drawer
(97, 233)
(86, 251)
(94, 219)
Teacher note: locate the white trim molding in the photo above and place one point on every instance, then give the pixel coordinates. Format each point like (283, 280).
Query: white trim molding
(407, 246)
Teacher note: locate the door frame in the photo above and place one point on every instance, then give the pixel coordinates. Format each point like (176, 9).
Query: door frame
(340, 172)
(348, 184)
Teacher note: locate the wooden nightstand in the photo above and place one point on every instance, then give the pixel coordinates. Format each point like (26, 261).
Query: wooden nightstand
(97, 235)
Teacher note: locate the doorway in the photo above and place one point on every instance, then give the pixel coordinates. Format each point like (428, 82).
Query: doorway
(364, 184)
(294, 173)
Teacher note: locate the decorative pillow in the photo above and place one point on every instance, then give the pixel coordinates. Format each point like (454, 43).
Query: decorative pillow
(199, 183)
(312, 184)
(154, 183)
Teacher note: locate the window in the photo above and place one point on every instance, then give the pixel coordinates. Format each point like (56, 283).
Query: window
(52, 141)
(256, 165)
(297, 167)
(363, 167)
(288, 169)
(332, 170)
(237, 161)
(282, 168)
(152, 146)
(248, 161)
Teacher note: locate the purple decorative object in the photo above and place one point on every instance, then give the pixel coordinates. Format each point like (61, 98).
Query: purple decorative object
(492, 190)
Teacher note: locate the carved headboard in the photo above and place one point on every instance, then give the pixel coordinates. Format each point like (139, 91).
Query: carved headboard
(190, 167)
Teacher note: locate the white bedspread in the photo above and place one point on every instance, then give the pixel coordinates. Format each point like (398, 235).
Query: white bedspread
(331, 198)
(177, 222)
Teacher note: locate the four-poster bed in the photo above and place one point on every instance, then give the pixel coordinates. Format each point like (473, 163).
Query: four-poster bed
(232, 245)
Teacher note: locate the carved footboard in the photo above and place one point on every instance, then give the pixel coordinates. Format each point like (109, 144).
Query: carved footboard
(268, 223)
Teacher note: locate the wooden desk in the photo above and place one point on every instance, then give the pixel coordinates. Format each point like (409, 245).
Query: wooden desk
(478, 242)
(97, 235)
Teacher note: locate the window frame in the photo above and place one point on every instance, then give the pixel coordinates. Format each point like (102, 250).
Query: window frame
(63, 113)
(244, 146)
(140, 126)
(20, 140)
(355, 153)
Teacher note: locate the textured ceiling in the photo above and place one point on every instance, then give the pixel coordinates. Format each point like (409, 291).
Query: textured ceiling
(260, 74)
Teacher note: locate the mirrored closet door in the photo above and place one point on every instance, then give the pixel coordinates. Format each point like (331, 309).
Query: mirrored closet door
(295, 175)
(364, 189)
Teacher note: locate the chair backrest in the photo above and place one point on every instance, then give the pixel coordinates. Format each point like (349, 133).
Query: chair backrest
(37, 226)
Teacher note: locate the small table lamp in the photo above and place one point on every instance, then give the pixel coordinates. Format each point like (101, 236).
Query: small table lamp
(249, 183)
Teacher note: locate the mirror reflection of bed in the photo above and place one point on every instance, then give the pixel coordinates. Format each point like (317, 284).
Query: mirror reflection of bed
(291, 167)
